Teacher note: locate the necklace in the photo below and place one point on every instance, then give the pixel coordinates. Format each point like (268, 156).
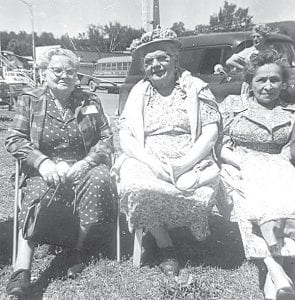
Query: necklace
(63, 110)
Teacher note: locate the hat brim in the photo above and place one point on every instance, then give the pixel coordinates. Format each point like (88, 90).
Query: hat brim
(160, 44)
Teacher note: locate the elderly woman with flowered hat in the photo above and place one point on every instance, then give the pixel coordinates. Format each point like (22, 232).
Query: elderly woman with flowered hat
(168, 129)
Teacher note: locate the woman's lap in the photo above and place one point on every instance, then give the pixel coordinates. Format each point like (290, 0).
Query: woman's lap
(149, 202)
(94, 196)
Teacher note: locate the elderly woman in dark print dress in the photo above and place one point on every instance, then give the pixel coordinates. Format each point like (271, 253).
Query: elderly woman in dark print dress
(62, 136)
(168, 130)
(257, 131)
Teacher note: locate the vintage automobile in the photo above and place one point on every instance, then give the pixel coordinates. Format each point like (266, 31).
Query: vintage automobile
(7, 96)
(204, 55)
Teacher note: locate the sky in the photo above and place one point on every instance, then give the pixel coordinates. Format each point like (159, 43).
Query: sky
(73, 16)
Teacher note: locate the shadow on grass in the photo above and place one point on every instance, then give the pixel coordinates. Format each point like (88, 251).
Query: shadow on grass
(6, 229)
(100, 244)
(223, 249)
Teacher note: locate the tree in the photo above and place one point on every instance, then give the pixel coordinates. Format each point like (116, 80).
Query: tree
(112, 37)
(178, 27)
(231, 18)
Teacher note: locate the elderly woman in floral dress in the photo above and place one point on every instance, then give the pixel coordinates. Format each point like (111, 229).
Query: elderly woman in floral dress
(168, 129)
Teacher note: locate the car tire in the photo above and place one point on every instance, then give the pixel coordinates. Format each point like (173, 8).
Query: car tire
(92, 86)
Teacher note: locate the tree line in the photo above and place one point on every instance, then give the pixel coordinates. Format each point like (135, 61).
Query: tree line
(101, 38)
(116, 37)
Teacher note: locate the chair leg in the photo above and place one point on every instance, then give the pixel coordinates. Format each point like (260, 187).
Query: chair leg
(118, 238)
(137, 247)
(17, 194)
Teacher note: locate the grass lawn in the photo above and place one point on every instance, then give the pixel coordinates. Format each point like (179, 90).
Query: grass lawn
(216, 267)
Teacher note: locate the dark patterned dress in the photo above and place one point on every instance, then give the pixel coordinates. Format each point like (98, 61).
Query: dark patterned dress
(148, 201)
(94, 195)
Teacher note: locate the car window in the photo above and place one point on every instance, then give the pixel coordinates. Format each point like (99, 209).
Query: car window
(213, 56)
(190, 59)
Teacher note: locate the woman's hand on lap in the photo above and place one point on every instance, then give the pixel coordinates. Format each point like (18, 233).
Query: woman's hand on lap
(48, 171)
(159, 170)
(62, 170)
(78, 170)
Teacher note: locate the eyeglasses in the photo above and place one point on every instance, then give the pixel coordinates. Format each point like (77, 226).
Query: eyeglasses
(59, 71)
(160, 58)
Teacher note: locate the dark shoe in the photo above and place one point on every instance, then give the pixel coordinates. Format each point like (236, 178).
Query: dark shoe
(19, 283)
(75, 270)
(77, 265)
(169, 264)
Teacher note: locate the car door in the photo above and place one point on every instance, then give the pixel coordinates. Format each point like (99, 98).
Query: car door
(201, 62)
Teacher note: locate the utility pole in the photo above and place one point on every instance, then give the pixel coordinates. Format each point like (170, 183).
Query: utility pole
(150, 14)
(30, 6)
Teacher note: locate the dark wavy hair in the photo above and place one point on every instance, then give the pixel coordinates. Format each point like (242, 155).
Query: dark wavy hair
(264, 57)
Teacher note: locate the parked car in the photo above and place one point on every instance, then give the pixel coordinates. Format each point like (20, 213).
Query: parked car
(205, 55)
(17, 77)
(6, 95)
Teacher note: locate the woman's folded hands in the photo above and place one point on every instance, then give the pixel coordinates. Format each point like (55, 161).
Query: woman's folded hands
(61, 172)
(159, 169)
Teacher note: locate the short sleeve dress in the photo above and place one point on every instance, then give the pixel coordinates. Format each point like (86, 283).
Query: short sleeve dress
(149, 201)
(260, 138)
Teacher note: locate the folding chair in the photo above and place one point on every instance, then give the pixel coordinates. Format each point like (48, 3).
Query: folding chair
(137, 236)
(17, 200)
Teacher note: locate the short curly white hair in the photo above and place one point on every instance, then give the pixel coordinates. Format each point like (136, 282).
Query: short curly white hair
(45, 58)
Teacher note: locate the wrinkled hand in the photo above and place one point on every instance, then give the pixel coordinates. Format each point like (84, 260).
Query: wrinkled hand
(48, 171)
(77, 171)
(62, 170)
(177, 168)
(159, 170)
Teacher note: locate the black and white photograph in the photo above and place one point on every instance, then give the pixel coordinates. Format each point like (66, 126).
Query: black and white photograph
(147, 149)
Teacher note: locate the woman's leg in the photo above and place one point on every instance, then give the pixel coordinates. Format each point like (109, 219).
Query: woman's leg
(78, 265)
(282, 283)
(19, 282)
(162, 237)
(25, 251)
(169, 264)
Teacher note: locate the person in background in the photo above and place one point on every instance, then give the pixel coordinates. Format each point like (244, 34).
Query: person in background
(63, 139)
(259, 34)
(257, 131)
(168, 174)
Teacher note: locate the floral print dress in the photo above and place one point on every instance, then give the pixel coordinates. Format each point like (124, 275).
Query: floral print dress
(260, 138)
(148, 201)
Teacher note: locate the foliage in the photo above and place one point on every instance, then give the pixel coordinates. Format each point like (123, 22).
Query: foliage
(102, 38)
(231, 18)
(112, 37)
(178, 28)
